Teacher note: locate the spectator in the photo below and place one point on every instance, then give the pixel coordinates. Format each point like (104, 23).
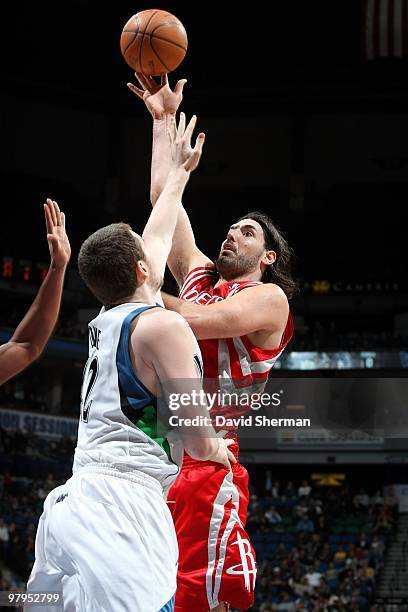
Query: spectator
(304, 489)
(286, 605)
(377, 499)
(313, 577)
(272, 516)
(305, 524)
(4, 537)
(362, 500)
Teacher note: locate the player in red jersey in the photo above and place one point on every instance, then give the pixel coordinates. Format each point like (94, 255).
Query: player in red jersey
(31, 336)
(238, 309)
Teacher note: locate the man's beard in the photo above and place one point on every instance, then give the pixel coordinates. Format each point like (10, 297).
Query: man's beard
(234, 266)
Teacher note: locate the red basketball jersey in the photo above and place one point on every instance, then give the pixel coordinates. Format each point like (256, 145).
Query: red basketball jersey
(233, 360)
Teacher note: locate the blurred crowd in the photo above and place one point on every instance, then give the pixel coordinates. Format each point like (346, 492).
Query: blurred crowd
(319, 548)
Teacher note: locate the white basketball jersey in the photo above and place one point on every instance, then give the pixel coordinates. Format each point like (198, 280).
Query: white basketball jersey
(118, 421)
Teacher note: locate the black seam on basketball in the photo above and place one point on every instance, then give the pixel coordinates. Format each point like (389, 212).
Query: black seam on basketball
(167, 40)
(134, 38)
(157, 55)
(141, 44)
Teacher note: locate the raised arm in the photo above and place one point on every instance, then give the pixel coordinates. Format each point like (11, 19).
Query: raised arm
(31, 336)
(159, 229)
(162, 104)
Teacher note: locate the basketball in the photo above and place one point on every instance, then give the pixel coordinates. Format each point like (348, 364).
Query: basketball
(153, 42)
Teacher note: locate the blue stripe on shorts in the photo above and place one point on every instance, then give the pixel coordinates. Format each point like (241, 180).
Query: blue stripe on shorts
(169, 606)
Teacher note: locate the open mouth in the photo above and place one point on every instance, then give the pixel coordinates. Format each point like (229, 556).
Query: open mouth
(228, 247)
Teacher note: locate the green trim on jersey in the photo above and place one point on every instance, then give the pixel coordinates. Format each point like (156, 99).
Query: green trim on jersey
(148, 424)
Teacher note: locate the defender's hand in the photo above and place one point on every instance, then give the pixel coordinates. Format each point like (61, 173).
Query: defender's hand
(183, 155)
(57, 238)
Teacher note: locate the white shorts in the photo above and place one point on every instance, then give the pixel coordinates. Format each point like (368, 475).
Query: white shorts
(106, 541)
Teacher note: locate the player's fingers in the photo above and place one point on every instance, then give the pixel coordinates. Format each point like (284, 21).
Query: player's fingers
(222, 433)
(53, 213)
(142, 79)
(226, 462)
(229, 442)
(48, 218)
(63, 219)
(151, 84)
(179, 87)
(181, 125)
(136, 90)
(190, 128)
(193, 161)
(231, 456)
(58, 213)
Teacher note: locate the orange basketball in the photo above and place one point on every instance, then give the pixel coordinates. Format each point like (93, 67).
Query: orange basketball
(153, 42)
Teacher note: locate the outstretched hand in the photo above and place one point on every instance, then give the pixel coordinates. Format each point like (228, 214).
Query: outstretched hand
(183, 154)
(158, 97)
(57, 238)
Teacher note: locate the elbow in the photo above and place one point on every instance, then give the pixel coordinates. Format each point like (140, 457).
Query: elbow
(34, 352)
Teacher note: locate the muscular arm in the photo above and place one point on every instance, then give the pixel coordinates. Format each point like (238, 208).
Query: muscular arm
(261, 308)
(184, 254)
(31, 336)
(167, 348)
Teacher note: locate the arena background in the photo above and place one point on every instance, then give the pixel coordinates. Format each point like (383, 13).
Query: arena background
(305, 106)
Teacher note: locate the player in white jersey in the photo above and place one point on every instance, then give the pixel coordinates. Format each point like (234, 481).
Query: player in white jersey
(106, 540)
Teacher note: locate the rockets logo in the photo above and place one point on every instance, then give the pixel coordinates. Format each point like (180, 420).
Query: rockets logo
(247, 566)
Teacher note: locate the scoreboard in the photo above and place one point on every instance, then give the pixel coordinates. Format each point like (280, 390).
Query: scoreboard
(22, 270)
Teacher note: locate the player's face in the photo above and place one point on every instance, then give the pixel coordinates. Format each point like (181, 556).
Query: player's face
(242, 250)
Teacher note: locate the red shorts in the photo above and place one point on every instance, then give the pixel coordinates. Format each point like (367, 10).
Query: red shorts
(216, 559)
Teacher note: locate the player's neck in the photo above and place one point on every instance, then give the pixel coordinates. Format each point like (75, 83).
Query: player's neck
(249, 276)
(142, 295)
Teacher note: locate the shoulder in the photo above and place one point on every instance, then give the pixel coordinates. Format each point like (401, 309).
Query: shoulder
(199, 274)
(160, 324)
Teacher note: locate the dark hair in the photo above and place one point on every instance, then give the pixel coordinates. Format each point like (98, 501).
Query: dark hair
(107, 260)
(279, 272)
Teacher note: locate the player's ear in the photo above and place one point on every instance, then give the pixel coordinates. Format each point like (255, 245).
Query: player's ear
(141, 270)
(269, 257)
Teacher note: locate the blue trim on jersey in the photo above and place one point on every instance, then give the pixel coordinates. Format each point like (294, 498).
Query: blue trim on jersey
(137, 394)
(169, 606)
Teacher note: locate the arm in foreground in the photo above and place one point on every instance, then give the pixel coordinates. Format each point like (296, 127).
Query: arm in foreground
(168, 349)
